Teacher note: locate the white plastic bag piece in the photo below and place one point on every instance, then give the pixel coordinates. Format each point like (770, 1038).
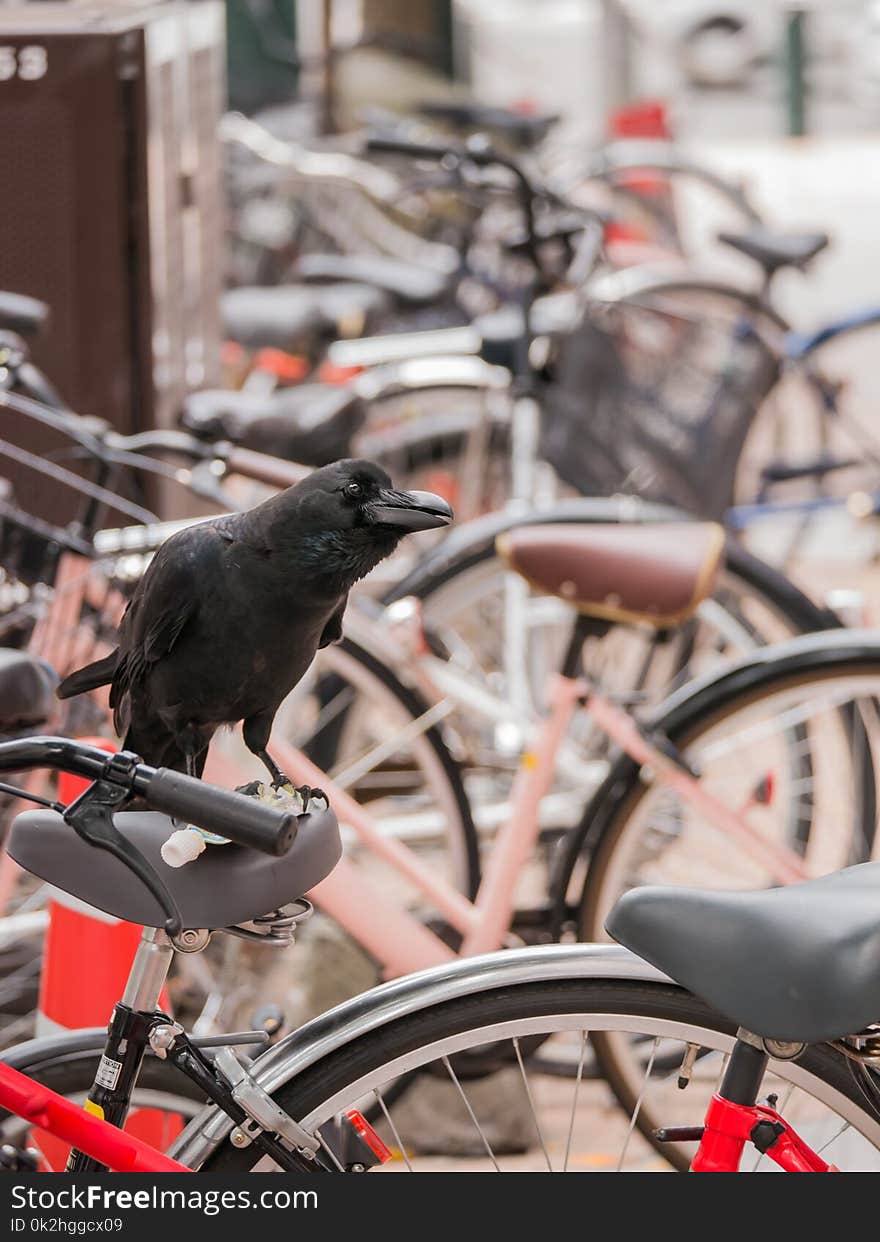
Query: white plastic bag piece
(185, 844)
(182, 847)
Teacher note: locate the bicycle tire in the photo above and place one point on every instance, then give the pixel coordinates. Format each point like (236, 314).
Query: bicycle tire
(695, 712)
(339, 1079)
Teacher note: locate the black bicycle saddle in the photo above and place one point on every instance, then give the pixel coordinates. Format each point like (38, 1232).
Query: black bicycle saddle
(799, 963)
(312, 423)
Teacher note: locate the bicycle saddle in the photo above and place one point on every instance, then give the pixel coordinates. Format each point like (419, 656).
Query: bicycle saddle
(22, 314)
(774, 250)
(279, 314)
(657, 573)
(27, 692)
(522, 128)
(800, 963)
(312, 424)
(406, 282)
(223, 886)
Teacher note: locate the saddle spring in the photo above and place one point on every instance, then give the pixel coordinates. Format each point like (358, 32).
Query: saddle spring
(277, 928)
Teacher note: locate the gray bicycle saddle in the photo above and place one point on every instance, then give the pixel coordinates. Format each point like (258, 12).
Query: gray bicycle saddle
(226, 884)
(800, 963)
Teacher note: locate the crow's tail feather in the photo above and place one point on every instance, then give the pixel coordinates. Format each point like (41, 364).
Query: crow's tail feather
(100, 673)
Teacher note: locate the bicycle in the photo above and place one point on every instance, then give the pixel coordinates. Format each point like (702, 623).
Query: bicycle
(296, 1106)
(830, 678)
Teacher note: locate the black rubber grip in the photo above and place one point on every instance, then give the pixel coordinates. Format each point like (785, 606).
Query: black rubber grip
(243, 820)
(389, 145)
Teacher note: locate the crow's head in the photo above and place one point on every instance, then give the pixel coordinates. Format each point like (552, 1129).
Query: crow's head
(347, 517)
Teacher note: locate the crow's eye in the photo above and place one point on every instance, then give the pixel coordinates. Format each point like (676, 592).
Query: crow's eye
(355, 490)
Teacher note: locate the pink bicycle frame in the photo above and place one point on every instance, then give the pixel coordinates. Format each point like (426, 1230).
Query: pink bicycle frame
(399, 941)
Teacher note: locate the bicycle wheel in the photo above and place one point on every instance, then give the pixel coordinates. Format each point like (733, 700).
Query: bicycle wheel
(566, 1125)
(787, 737)
(162, 1104)
(510, 640)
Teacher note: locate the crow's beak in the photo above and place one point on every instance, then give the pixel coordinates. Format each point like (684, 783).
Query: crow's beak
(410, 511)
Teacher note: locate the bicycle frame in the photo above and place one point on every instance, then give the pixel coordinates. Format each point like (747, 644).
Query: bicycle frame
(399, 941)
(89, 1133)
(729, 1126)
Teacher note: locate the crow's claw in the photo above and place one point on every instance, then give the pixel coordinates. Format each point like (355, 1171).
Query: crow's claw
(309, 795)
(252, 790)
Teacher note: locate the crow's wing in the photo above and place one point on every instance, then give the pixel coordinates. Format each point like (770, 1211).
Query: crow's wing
(164, 603)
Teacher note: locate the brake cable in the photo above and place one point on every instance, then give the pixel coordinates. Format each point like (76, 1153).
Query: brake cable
(31, 797)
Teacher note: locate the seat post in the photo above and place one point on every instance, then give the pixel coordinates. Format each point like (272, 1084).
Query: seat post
(128, 1037)
(149, 970)
(744, 1074)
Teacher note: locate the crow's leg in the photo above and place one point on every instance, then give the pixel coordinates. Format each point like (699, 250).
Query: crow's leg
(278, 777)
(256, 732)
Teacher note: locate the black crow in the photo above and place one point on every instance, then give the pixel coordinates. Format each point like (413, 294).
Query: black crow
(230, 612)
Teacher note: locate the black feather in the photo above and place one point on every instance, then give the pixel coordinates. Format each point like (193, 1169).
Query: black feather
(231, 612)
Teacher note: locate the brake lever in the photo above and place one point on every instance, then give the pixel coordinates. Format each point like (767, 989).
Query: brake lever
(91, 817)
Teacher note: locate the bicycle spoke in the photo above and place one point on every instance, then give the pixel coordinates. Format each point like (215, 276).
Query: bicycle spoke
(370, 759)
(328, 713)
(577, 1087)
(785, 720)
(847, 1125)
(471, 1113)
(522, 1070)
(638, 1105)
(330, 1153)
(397, 1139)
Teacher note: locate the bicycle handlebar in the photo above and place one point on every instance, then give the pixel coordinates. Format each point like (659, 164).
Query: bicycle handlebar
(391, 144)
(479, 152)
(247, 822)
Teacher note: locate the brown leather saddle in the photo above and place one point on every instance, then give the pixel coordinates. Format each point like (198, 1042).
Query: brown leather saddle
(657, 573)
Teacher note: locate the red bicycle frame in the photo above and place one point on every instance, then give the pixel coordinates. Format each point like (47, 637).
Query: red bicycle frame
(46, 1110)
(730, 1126)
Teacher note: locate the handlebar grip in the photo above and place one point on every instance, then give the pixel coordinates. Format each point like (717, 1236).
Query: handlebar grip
(388, 144)
(243, 820)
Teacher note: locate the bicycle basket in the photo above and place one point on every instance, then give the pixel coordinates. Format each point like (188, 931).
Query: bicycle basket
(657, 403)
